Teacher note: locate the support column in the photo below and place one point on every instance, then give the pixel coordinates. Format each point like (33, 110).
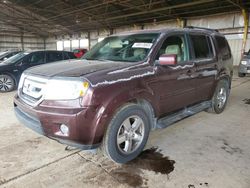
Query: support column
(246, 21)
(89, 40)
(181, 22)
(44, 43)
(22, 44)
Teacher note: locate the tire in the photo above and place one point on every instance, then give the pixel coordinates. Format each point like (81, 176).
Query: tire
(123, 140)
(241, 74)
(7, 83)
(220, 97)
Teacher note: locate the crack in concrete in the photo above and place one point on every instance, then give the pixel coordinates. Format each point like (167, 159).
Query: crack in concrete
(99, 166)
(43, 166)
(241, 83)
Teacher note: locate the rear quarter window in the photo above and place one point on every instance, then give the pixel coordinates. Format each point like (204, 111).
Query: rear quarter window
(223, 47)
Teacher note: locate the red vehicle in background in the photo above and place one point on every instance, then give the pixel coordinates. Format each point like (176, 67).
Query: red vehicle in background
(79, 52)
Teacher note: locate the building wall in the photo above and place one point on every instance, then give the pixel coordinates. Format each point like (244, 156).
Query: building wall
(231, 25)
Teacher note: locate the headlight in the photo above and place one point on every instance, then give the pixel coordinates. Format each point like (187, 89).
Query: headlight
(65, 89)
(243, 62)
(20, 84)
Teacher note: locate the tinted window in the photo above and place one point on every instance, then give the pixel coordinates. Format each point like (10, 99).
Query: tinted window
(16, 58)
(174, 45)
(54, 56)
(223, 46)
(36, 58)
(69, 55)
(202, 46)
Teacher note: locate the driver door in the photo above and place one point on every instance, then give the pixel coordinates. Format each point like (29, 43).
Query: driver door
(33, 59)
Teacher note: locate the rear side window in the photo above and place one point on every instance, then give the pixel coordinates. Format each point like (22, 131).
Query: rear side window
(69, 55)
(54, 56)
(202, 46)
(223, 47)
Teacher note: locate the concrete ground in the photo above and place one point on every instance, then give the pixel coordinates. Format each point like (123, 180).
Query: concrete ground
(201, 151)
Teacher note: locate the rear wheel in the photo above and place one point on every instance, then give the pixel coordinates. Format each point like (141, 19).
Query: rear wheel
(241, 74)
(220, 97)
(7, 83)
(127, 134)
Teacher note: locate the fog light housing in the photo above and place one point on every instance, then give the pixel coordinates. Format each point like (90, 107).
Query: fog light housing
(64, 129)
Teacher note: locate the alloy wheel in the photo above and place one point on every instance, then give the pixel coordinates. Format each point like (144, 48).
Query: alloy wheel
(221, 97)
(130, 134)
(6, 84)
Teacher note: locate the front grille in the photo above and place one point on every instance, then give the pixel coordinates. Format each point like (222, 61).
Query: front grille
(32, 89)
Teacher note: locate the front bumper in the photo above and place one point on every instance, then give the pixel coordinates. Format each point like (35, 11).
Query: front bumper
(82, 123)
(244, 68)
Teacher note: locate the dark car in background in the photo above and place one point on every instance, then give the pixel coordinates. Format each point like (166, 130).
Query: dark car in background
(6, 55)
(125, 86)
(244, 66)
(12, 68)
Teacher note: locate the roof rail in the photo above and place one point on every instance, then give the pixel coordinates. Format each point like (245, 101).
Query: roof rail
(204, 28)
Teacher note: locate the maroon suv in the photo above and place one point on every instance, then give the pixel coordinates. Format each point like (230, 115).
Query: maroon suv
(127, 85)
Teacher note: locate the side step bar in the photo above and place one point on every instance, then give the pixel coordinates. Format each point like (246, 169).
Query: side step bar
(189, 111)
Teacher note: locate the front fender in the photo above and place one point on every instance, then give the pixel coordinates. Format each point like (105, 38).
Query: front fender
(112, 103)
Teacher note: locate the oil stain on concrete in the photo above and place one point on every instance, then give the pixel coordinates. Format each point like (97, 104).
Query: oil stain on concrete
(247, 101)
(151, 160)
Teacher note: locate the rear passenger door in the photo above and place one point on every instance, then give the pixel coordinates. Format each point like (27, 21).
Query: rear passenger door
(203, 55)
(33, 59)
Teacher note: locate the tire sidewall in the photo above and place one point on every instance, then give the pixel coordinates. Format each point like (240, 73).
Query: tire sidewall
(111, 143)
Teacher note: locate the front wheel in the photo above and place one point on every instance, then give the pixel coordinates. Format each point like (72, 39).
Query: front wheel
(220, 97)
(7, 83)
(127, 134)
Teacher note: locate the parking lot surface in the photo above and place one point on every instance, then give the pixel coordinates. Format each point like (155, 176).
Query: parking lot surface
(205, 150)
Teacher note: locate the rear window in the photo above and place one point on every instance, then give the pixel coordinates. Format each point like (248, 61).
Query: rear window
(202, 46)
(223, 47)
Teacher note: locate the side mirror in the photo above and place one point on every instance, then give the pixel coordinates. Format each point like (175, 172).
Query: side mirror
(170, 59)
(5, 58)
(20, 63)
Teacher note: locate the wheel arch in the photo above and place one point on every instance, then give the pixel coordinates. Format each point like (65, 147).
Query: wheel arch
(107, 112)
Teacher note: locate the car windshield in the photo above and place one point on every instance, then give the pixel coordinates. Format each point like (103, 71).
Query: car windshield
(3, 54)
(15, 58)
(125, 48)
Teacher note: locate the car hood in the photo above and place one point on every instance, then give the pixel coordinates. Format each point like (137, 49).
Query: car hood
(73, 68)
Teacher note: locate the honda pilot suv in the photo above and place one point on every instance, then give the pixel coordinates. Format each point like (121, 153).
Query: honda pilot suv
(127, 85)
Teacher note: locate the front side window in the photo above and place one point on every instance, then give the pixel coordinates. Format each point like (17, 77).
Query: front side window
(36, 58)
(223, 46)
(174, 45)
(125, 48)
(202, 46)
